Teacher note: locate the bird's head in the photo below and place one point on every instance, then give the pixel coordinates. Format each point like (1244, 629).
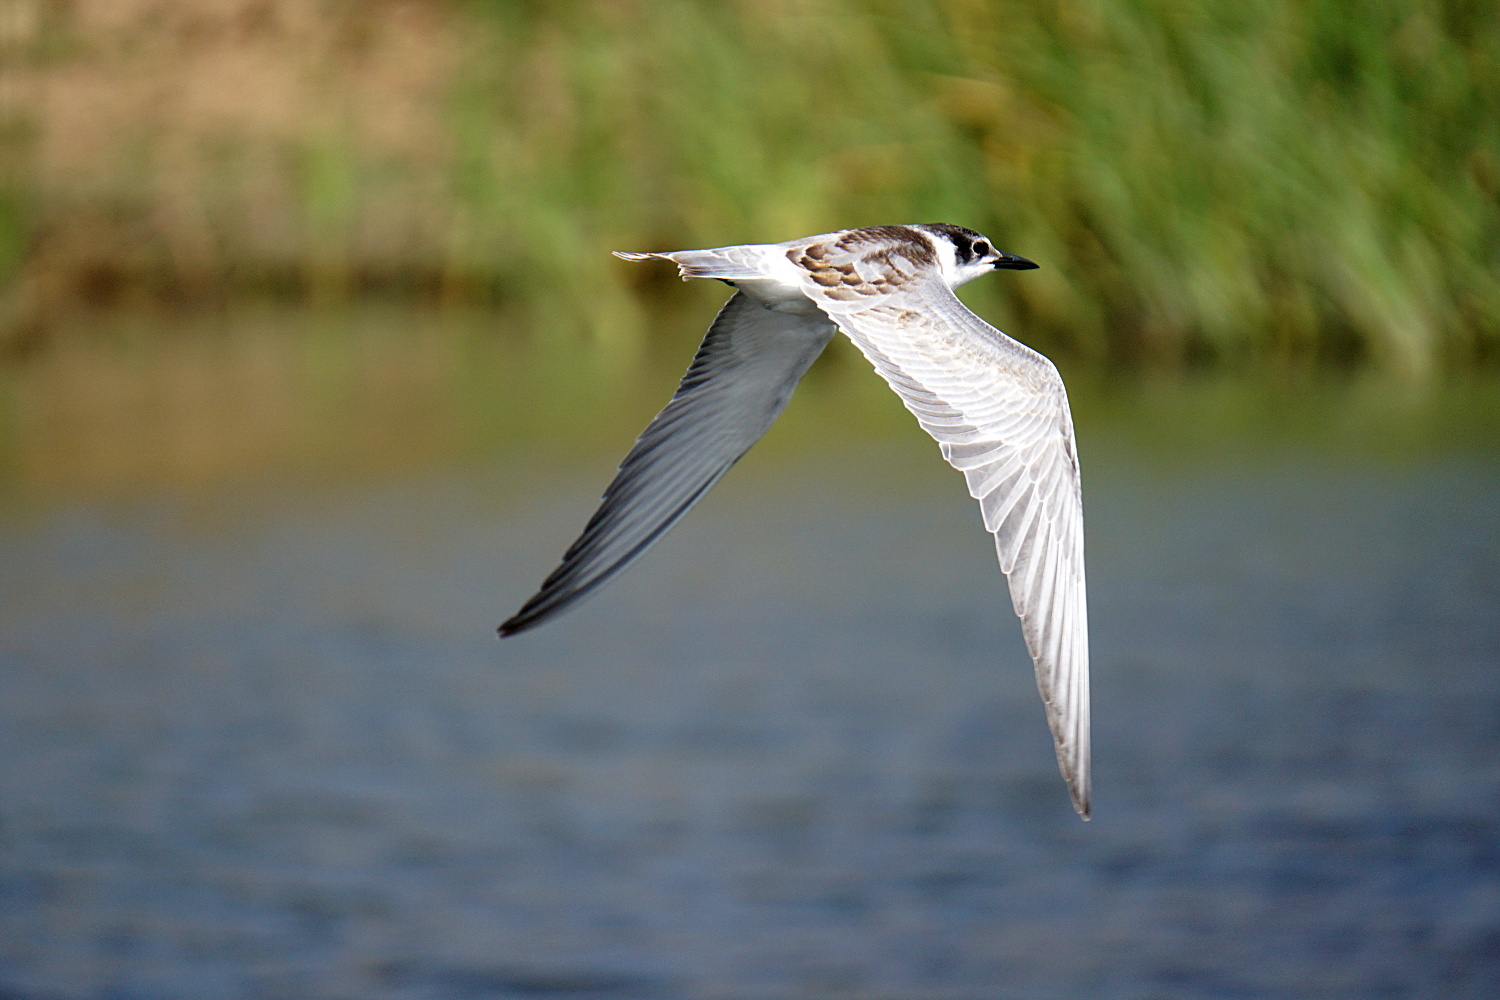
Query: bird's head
(964, 254)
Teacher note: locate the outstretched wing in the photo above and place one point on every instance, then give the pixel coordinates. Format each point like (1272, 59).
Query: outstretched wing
(738, 384)
(1000, 414)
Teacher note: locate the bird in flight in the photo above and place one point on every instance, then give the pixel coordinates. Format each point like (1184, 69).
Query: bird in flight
(997, 409)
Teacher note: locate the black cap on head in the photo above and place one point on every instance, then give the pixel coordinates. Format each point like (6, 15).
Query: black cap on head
(969, 246)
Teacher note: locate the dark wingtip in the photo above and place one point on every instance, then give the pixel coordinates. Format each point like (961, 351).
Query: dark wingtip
(1082, 803)
(519, 622)
(544, 605)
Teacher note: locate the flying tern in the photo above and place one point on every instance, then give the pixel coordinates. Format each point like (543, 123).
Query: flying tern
(997, 409)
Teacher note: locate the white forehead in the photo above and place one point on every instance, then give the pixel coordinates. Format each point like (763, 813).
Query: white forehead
(952, 271)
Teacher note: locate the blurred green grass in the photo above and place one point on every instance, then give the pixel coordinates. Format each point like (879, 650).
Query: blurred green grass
(1260, 182)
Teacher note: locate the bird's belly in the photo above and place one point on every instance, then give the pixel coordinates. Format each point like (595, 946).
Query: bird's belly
(778, 296)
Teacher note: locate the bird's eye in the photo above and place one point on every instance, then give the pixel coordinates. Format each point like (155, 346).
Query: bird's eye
(981, 248)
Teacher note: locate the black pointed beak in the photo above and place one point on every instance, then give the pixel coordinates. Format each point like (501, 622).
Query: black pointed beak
(1011, 262)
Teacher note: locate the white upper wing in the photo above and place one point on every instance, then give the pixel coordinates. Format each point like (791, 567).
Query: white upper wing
(1000, 414)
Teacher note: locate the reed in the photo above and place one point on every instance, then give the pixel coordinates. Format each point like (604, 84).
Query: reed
(1289, 182)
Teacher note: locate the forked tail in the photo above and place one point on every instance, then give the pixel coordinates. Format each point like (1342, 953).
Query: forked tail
(722, 263)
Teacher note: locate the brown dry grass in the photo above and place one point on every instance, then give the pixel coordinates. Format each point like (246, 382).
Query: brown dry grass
(178, 147)
(1282, 182)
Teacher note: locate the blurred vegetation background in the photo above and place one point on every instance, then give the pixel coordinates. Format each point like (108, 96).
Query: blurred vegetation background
(1292, 182)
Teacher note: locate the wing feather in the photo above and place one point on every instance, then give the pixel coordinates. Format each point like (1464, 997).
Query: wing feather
(1000, 414)
(738, 384)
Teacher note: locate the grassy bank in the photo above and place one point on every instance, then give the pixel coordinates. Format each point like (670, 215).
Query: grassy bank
(140, 404)
(1291, 182)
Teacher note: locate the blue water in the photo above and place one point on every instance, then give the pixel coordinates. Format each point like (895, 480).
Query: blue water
(261, 742)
